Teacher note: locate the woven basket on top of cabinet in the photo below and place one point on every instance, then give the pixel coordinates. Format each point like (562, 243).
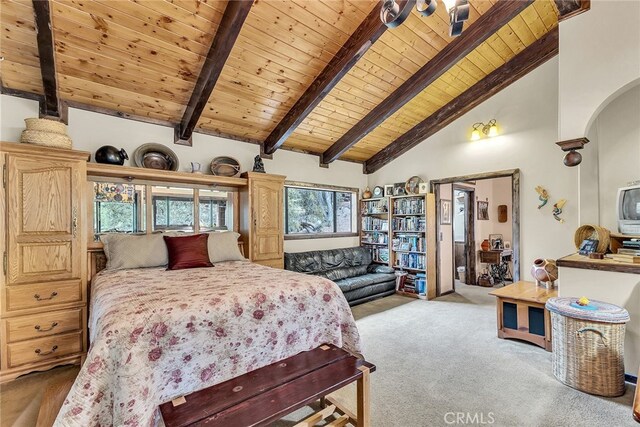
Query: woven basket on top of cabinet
(588, 345)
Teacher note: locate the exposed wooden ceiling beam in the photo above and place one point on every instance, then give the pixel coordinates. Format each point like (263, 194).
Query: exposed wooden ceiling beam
(50, 107)
(490, 22)
(570, 8)
(353, 49)
(234, 16)
(533, 56)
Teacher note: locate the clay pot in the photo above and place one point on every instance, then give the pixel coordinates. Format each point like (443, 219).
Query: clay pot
(367, 194)
(485, 245)
(111, 155)
(545, 271)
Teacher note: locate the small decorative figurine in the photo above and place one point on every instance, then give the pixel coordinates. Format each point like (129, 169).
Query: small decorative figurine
(583, 301)
(557, 209)
(544, 196)
(258, 165)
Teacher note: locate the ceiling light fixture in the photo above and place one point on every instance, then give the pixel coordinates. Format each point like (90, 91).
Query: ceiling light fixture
(393, 16)
(490, 129)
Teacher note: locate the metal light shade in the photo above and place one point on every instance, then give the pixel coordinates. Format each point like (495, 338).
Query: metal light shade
(392, 16)
(455, 29)
(493, 131)
(475, 135)
(426, 7)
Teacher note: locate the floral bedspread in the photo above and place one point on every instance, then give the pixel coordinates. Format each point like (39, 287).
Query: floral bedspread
(156, 334)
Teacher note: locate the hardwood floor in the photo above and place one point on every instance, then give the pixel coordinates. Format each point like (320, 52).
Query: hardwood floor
(20, 399)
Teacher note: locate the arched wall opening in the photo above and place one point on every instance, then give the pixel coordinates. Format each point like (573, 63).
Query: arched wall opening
(612, 157)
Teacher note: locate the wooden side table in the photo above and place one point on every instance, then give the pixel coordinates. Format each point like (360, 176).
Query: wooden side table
(521, 313)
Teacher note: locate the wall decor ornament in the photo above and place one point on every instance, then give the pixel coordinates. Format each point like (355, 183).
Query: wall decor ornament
(543, 196)
(110, 155)
(483, 210)
(557, 210)
(445, 212)
(502, 213)
(412, 185)
(388, 190)
(225, 166)
(398, 189)
(545, 272)
(423, 188)
(156, 156)
(367, 193)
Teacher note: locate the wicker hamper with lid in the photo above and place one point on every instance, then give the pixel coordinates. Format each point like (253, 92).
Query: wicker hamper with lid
(588, 345)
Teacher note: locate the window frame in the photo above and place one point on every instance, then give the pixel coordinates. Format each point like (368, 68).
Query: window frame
(355, 215)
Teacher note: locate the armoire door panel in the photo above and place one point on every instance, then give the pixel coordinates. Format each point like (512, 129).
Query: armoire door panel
(268, 206)
(268, 246)
(43, 219)
(45, 190)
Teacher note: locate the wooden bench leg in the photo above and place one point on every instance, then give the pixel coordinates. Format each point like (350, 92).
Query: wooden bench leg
(364, 417)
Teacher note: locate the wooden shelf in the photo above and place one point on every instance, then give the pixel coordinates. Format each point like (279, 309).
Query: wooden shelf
(583, 262)
(131, 174)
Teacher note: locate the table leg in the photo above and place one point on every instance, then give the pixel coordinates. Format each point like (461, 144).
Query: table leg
(364, 417)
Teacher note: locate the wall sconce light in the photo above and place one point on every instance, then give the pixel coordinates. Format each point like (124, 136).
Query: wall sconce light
(490, 129)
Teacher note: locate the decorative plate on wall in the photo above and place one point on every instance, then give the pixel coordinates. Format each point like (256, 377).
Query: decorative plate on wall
(413, 185)
(225, 166)
(156, 156)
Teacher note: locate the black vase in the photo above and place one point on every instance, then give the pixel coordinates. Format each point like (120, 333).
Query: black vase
(111, 155)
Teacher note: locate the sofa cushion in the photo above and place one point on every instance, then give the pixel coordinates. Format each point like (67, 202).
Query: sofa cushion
(342, 273)
(353, 283)
(314, 262)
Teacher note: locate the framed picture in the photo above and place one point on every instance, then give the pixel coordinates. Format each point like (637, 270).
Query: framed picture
(496, 241)
(423, 188)
(507, 244)
(388, 190)
(483, 210)
(445, 212)
(588, 246)
(398, 189)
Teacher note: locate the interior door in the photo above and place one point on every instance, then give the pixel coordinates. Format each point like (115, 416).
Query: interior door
(43, 212)
(267, 220)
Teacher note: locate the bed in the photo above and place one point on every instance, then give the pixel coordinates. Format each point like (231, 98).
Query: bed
(156, 334)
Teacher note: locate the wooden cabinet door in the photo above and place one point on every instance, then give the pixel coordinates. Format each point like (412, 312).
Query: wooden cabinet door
(267, 218)
(43, 216)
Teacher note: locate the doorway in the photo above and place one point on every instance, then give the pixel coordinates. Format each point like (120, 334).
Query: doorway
(464, 265)
(484, 207)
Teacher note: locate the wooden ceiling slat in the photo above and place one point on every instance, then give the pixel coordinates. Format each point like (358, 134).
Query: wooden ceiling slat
(522, 31)
(547, 13)
(19, 76)
(536, 54)
(497, 17)
(232, 21)
(363, 37)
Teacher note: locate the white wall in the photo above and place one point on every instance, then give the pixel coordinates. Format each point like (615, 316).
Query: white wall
(599, 56)
(89, 131)
(615, 135)
(527, 115)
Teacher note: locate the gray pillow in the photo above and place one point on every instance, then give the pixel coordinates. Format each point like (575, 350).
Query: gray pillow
(134, 250)
(223, 246)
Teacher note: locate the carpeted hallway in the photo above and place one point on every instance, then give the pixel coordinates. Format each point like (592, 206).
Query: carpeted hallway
(435, 359)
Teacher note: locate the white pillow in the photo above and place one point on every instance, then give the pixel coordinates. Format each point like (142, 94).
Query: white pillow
(134, 250)
(223, 246)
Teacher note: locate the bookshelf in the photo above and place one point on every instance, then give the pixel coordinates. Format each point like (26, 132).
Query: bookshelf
(374, 228)
(413, 241)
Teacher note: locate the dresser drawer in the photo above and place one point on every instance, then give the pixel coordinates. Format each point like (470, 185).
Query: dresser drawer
(43, 324)
(22, 297)
(40, 349)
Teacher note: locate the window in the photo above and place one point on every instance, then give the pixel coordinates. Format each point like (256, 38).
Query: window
(118, 208)
(213, 210)
(172, 208)
(318, 211)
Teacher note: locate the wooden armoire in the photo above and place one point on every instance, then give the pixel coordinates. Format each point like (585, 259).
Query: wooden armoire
(43, 313)
(262, 218)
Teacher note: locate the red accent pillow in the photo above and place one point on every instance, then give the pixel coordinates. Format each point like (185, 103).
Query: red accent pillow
(188, 251)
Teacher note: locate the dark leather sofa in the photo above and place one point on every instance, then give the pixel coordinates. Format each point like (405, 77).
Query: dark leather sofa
(350, 268)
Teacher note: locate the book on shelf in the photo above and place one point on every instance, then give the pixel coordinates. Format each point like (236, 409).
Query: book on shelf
(373, 223)
(374, 207)
(374, 237)
(410, 242)
(410, 261)
(409, 206)
(406, 224)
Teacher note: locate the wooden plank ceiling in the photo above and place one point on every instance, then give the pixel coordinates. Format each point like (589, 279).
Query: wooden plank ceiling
(143, 58)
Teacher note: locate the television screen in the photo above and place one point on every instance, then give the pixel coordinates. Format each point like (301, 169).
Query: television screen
(631, 204)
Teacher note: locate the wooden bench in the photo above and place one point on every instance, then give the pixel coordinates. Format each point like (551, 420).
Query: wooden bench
(265, 395)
